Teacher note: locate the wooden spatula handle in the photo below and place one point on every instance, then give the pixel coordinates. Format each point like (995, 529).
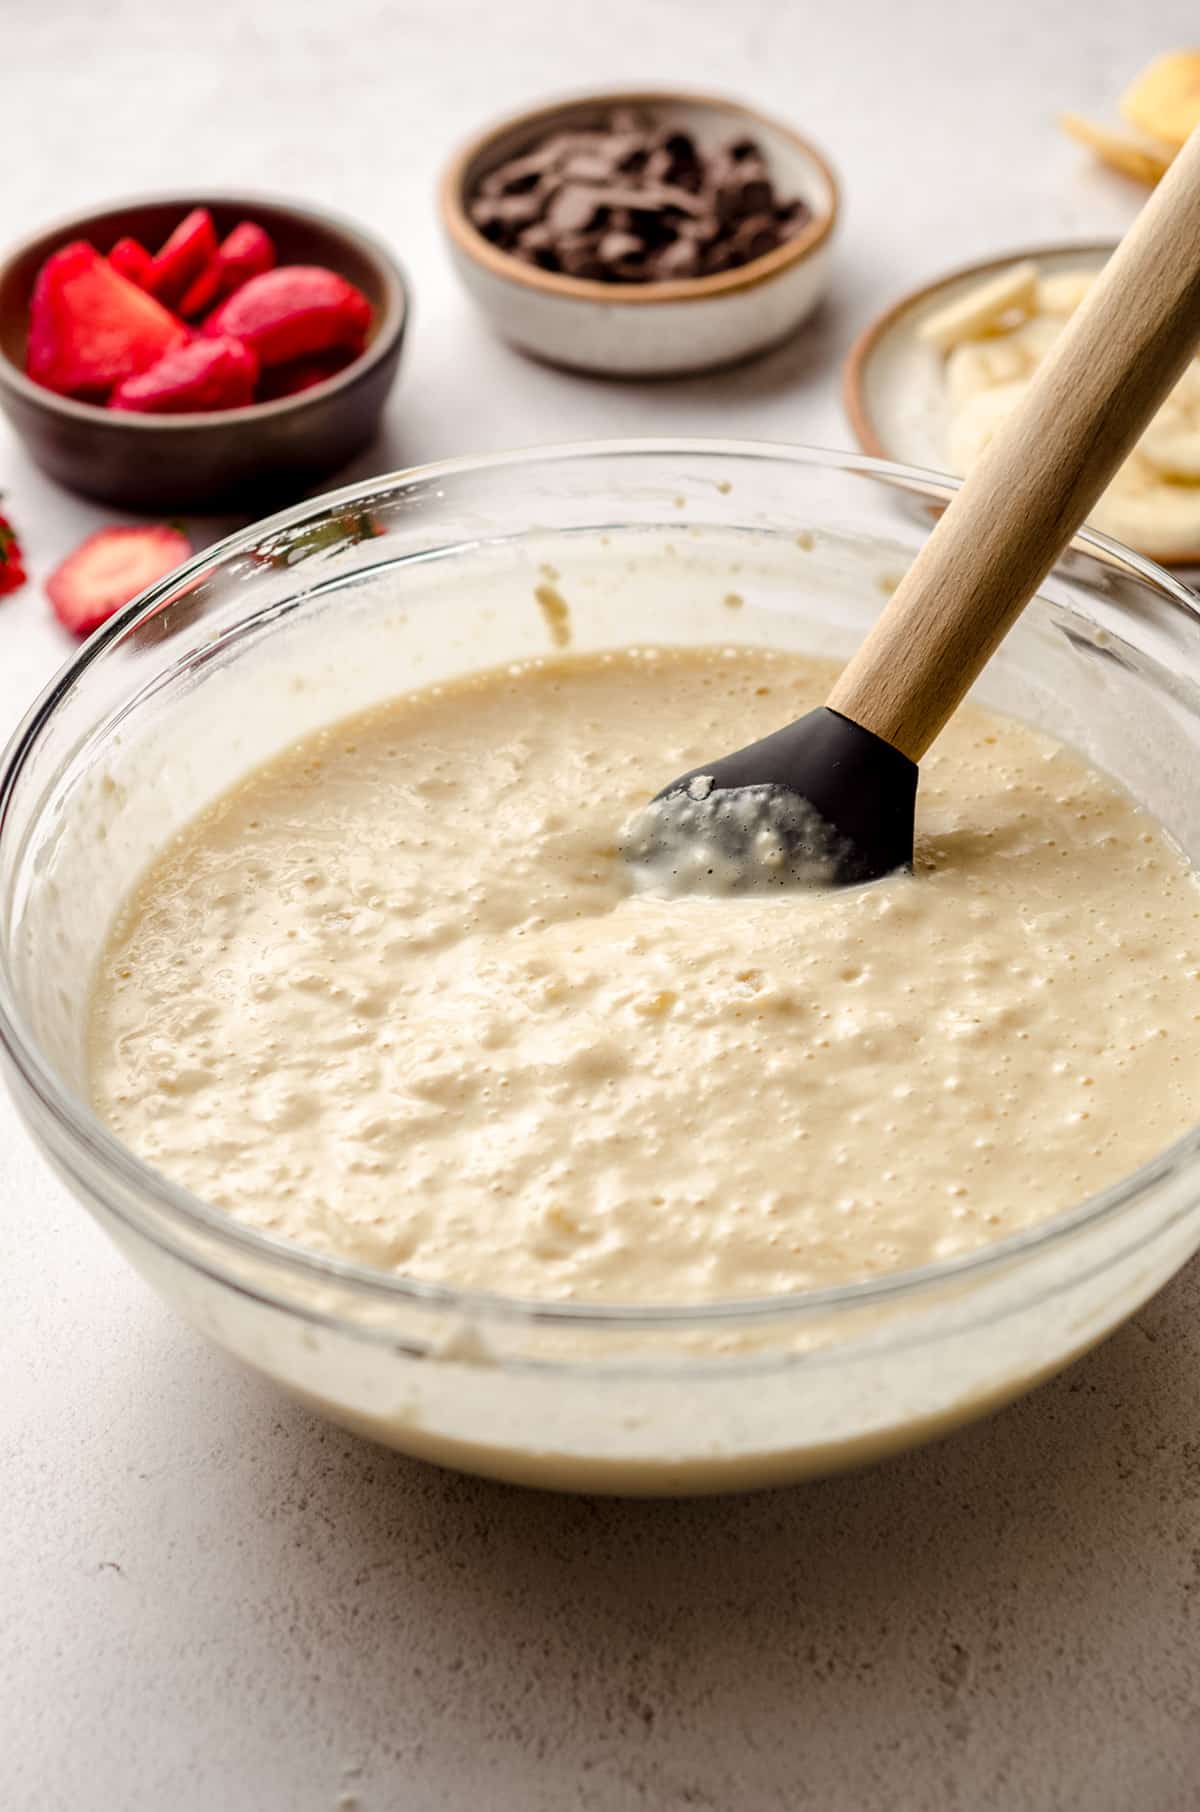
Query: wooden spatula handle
(1034, 484)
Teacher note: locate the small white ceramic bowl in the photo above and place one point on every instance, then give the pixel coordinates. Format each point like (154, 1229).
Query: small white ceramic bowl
(647, 329)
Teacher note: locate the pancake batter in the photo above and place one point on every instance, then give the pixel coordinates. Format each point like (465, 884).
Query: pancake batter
(393, 998)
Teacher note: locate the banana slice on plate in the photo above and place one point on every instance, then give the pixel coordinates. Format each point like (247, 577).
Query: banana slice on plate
(1171, 444)
(979, 365)
(973, 425)
(982, 364)
(934, 379)
(1162, 519)
(987, 306)
(1036, 336)
(1062, 293)
(1148, 511)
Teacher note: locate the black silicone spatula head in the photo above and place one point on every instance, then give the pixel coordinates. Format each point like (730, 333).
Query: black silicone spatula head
(822, 802)
(831, 798)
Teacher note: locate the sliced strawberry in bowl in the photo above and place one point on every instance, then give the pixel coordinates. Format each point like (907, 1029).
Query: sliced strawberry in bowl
(190, 248)
(246, 251)
(108, 569)
(204, 374)
(90, 327)
(200, 296)
(301, 374)
(191, 439)
(130, 257)
(294, 311)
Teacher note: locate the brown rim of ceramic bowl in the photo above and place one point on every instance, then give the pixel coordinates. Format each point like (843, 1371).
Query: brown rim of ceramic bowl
(391, 325)
(856, 360)
(582, 289)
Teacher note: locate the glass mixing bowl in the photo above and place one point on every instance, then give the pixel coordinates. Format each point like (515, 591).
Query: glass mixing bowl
(396, 583)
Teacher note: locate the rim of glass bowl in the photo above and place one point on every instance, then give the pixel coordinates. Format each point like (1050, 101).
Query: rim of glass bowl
(165, 1204)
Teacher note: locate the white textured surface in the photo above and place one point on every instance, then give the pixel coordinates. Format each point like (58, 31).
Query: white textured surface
(209, 1599)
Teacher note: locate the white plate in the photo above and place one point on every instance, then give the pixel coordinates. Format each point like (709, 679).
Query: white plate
(894, 388)
(893, 384)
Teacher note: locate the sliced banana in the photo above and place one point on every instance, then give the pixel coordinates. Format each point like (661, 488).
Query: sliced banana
(973, 425)
(1172, 442)
(1156, 517)
(1153, 502)
(1134, 478)
(1165, 99)
(1146, 159)
(1187, 390)
(1062, 293)
(982, 364)
(1035, 337)
(987, 306)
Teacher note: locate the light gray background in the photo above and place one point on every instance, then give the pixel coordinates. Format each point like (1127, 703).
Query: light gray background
(210, 1600)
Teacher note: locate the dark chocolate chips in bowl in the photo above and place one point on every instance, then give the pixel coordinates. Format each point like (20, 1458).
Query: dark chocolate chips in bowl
(630, 201)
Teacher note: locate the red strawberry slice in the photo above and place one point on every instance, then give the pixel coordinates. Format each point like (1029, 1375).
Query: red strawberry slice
(108, 569)
(293, 311)
(190, 247)
(199, 296)
(12, 567)
(301, 374)
(132, 259)
(205, 374)
(89, 327)
(246, 251)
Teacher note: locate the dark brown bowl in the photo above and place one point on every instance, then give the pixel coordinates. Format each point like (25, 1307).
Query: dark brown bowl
(242, 459)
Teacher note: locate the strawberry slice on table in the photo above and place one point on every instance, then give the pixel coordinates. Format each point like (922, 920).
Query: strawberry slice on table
(204, 374)
(292, 312)
(89, 327)
(12, 566)
(132, 259)
(185, 254)
(108, 569)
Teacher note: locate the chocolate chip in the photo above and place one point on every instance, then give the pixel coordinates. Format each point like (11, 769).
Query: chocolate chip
(573, 209)
(616, 246)
(754, 238)
(581, 259)
(536, 245)
(588, 166)
(681, 147)
(702, 230)
(630, 155)
(500, 218)
(792, 219)
(738, 199)
(629, 201)
(520, 173)
(682, 259)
